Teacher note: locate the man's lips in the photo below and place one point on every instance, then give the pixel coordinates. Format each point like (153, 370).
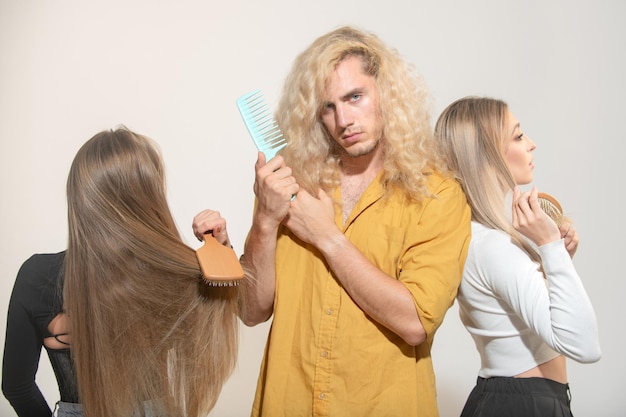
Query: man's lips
(351, 137)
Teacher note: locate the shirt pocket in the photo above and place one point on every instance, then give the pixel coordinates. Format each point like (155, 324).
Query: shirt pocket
(381, 243)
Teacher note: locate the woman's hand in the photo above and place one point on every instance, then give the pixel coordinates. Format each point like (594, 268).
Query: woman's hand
(530, 220)
(210, 221)
(570, 236)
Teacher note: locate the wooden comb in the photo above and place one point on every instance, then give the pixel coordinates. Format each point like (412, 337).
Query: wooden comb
(218, 263)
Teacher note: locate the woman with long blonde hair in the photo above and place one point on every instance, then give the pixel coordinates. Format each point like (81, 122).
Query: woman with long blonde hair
(520, 298)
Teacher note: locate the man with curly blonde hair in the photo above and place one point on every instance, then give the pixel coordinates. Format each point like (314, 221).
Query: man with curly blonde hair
(359, 269)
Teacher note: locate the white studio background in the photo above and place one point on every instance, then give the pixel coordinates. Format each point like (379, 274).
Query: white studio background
(172, 70)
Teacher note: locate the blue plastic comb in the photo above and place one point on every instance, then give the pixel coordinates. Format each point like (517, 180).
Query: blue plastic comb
(261, 125)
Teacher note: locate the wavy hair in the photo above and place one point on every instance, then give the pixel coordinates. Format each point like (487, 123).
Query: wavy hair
(409, 150)
(144, 325)
(471, 133)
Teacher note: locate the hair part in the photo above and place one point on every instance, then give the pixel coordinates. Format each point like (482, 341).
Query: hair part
(144, 325)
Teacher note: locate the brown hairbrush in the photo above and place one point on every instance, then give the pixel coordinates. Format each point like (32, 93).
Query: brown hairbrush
(551, 207)
(219, 264)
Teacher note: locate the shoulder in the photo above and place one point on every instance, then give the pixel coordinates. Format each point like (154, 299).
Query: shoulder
(446, 195)
(43, 262)
(437, 181)
(486, 236)
(493, 254)
(40, 269)
(444, 190)
(487, 242)
(37, 286)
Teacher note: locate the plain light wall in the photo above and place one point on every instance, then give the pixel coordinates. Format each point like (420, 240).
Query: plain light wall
(173, 69)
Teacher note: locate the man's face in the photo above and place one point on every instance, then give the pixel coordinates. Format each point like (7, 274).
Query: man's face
(351, 111)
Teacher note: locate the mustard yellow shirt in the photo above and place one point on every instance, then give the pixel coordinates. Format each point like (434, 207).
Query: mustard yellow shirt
(324, 355)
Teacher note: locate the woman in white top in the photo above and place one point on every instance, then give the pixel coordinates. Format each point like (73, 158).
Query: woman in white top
(520, 298)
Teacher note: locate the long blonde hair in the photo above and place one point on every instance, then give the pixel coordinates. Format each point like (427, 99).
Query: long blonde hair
(471, 133)
(144, 326)
(409, 149)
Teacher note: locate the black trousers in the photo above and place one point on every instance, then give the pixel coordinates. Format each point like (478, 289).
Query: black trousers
(518, 397)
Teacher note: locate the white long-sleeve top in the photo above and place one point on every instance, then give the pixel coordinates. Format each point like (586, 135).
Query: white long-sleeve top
(518, 319)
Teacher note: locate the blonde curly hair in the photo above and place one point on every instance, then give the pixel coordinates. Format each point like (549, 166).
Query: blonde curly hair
(409, 151)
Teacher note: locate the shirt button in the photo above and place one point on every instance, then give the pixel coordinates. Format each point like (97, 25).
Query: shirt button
(322, 396)
(329, 311)
(324, 354)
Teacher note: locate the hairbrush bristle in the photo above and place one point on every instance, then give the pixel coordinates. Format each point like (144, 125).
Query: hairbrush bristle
(221, 283)
(260, 123)
(551, 207)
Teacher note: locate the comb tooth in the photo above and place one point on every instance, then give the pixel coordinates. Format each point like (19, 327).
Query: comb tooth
(255, 105)
(276, 140)
(260, 122)
(270, 132)
(253, 100)
(261, 119)
(265, 123)
(271, 137)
